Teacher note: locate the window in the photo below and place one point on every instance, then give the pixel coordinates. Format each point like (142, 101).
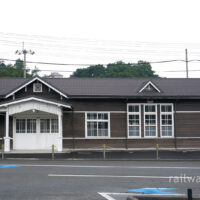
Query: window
(166, 120)
(97, 124)
(54, 125)
(37, 87)
(31, 125)
(134, 121)
(48, 126)
(150, 120)
(25, 125)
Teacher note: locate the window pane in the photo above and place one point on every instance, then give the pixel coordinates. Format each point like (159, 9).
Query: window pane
(150, 108)
(150, 119)
(166, 119)
(31, 125)
(92, 128)
(103, 116)
(166, 130)
(54, 125)
(102, 128)
(20, 125)
(134, 131)
(45, 125)
(133, 108)
(150, 131)
(166, 108)
(91, 115)
(134, 120)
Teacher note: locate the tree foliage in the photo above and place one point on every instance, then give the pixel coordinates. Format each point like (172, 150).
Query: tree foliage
(118, 69)
(16, 70)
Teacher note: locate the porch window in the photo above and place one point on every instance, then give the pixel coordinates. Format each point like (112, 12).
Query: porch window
(48, 125)
(31, 125)
(134, 120)
(166, 120)
(25, 125)
(150, 120)
(54, 125)
(97, 124)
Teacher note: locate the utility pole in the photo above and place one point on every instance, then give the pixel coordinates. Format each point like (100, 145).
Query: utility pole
(24, 52)
(186, 62)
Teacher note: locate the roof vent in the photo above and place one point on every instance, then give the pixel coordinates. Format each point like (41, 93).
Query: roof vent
(149, 87)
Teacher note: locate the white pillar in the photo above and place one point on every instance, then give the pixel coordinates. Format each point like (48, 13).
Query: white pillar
(60, 133)
(7, 138)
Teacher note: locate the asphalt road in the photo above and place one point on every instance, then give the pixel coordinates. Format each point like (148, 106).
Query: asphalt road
(75, 180)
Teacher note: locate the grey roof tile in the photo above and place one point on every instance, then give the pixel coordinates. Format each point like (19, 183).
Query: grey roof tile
(111, 86)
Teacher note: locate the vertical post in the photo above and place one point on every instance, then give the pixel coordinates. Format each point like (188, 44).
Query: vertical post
(186, 62)
(24, 64)
(189, 194)
(60, 133)
(126, 121)
(2, 151)
(73, 129)
(53, 150)
(104, 151)
(175, 140)
(157, 152)
(7, 138)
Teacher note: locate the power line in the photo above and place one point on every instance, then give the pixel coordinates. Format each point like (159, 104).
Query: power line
(84, 64)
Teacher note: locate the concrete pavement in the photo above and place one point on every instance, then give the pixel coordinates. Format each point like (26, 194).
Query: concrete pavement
(85, 180)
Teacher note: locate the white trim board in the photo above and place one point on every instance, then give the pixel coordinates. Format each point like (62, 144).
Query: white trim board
(34, 99)
(95, 111)
(187, 111)
(31, 81)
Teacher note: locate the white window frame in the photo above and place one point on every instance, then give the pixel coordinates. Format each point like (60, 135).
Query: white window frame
(50, 132)
(167, 113)
(25, 125)
(150, 113)
(86, 120)
(34, 84)
(134, 113)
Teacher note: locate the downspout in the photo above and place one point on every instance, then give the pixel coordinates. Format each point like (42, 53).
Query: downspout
(175, 139)
(126, 121)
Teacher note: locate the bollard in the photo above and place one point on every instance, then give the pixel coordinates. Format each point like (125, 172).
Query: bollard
(53, 149)
(189, 194)
(2, 151)
(104, 151)
(157, 152)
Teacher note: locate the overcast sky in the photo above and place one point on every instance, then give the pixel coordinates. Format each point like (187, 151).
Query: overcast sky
(103, 31)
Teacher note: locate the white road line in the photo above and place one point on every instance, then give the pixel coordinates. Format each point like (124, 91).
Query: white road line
(106, 176)
(107, 166)
(108, 197)
(105, 195)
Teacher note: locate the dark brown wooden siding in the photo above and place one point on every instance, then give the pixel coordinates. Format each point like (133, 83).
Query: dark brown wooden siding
(189, 105)
(45, 93)
(98, 105)
(2, 125)
(187, 124)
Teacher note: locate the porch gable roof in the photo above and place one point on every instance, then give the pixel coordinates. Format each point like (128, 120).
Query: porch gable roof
(38, 99)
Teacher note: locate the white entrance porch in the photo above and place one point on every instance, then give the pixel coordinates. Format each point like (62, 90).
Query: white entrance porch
(37, 124)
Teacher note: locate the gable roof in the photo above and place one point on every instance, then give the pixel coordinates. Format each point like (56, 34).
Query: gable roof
(111, 87)
(34, 98)
(31, 80)
(151, 84)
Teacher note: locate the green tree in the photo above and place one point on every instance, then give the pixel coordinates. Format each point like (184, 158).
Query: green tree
(118, 69)
(16, 70)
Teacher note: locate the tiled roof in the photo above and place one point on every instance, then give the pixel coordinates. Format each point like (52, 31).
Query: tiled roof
(122, 87)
